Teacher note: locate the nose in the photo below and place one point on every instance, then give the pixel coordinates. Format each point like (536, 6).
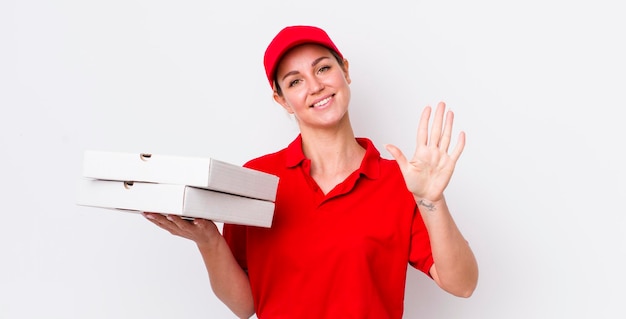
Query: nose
(315, 85)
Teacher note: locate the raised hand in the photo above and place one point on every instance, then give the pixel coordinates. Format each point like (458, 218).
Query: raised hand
(430, 169)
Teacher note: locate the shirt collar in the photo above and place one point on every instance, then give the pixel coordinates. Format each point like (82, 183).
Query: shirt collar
(369, 166)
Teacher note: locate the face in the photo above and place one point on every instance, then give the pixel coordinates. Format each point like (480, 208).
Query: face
(315, 88)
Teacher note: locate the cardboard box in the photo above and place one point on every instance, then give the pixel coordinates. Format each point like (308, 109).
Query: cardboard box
(175, 199)
(202, 172)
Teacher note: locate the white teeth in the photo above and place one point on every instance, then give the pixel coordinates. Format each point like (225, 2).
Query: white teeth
(322, 102)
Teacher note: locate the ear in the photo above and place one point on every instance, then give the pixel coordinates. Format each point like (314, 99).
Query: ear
(281, 100)
(346, 72)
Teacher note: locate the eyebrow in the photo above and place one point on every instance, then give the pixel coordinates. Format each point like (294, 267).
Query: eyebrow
(315, 62)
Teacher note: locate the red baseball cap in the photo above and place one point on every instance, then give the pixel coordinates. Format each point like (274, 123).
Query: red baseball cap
(290, 37)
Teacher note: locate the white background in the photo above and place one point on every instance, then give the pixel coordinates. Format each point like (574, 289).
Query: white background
(538, 86)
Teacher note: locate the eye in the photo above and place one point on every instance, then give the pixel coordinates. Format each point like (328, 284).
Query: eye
(323, 69)
(294, 82)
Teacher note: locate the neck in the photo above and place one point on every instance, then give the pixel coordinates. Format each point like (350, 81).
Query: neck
(329, 143)
(334, 154)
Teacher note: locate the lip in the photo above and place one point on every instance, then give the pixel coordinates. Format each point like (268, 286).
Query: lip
(328, 97)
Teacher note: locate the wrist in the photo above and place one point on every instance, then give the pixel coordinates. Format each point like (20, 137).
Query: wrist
(429, 205)
(210, 244)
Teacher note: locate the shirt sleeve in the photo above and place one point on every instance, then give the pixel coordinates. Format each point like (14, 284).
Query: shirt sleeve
(420, 253)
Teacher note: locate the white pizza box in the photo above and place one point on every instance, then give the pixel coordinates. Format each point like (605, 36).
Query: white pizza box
(203, 172)
(182, 200)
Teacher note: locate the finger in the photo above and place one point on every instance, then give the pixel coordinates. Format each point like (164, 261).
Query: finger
(179, 222)
(422, 129)
(156, 218)
(204, 225)
(201, 222)
(444, 144)
(161, 221)
(458, 149)
(435, 133)
(397, 154)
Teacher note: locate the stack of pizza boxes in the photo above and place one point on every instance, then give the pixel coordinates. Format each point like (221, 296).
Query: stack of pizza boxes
(191, 187)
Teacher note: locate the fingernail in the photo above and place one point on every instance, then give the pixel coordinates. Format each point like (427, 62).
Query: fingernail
(148, 216)
(169, 218)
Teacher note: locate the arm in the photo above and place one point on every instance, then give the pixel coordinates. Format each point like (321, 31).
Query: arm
(455, 269)
(228, 281)
(427, 175)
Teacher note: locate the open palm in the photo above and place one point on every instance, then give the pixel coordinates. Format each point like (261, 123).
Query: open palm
(430, 169)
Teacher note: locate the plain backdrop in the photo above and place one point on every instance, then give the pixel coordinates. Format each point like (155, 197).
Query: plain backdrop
(538, 87)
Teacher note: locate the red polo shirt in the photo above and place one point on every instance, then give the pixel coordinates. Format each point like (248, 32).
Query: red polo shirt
(338, 255)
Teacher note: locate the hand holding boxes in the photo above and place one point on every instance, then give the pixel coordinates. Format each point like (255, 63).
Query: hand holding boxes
(192, 187)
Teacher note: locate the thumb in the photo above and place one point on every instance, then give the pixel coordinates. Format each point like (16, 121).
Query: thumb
(397, 154)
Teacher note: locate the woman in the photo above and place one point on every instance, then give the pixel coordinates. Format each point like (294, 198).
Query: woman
(347, 222)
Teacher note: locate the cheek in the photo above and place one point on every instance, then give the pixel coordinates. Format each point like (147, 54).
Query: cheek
(295, 99)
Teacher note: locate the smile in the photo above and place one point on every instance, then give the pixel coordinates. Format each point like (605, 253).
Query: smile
(322, 102)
